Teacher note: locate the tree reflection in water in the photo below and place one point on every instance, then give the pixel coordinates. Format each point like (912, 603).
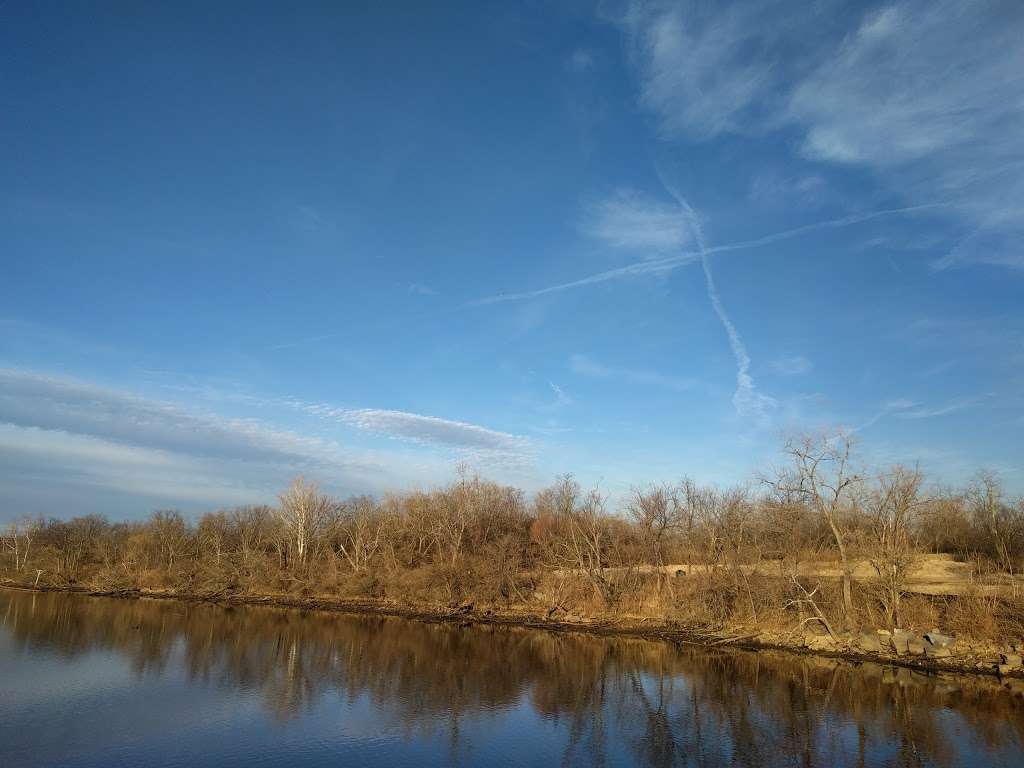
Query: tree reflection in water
(661, 705)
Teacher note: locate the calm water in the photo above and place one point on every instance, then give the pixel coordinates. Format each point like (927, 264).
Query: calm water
(103, 682)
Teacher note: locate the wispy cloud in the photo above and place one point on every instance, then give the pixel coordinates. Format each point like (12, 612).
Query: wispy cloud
(58, 403)
(792, 366)
(697, 76)
(421, 290)
(585, 366)
(634, 221)
(433, 430)
(924, 92)
(59, 433)
(479, 443)
(37, 463)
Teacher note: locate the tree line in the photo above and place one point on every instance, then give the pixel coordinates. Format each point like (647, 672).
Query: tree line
(698, 554)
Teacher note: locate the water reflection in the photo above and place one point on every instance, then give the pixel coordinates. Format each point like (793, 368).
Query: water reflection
(612, 701)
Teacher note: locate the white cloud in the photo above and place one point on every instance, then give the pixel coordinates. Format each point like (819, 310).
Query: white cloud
(69, 405)
(927, 93)
(585, 366)
(634, 221)
(70, 446)
(49, 460)
(433, 430)
(476, 443)
(792, 366)
(916, 78)
(698, 75)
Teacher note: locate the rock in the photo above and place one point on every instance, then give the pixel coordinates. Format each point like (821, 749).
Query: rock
(820, 643)
(939, 640)
(937, 651)
(916, 646)
(1011, 660)
(883, 633)
(901, 640)
(869, 643)
(1004, 669)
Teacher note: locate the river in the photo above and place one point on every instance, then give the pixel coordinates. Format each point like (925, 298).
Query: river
(88, 681)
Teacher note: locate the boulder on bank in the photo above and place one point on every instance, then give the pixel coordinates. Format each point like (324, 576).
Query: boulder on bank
(902, 640)
(820, 643)
(938, 640)
(869, 643)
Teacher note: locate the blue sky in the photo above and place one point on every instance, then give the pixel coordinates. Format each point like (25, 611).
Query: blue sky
(371, 242)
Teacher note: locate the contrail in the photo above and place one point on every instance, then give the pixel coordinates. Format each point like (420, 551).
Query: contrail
(639, 268)
(746, 398)
(688, 257)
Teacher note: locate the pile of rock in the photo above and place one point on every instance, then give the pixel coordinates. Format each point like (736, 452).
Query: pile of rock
(903, 642)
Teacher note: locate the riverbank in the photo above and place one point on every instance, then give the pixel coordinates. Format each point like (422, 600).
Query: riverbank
(958, 657)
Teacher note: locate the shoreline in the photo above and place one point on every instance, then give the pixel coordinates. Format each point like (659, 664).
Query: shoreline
(646, 629)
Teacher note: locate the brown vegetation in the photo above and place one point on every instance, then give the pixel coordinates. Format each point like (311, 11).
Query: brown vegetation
(816, 545)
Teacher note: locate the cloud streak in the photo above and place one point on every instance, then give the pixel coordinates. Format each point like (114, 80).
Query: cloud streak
(476, 442)
(433, 430)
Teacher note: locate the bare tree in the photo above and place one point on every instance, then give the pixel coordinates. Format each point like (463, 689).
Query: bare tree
(701, 509)
(577, 535)
(303, 513)
(821, 475)
(18, 540)
(657, 513)
(891, 506)
(170, 535)
(358, 531)
(213, 534)
(252, 527)
(985, 497)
